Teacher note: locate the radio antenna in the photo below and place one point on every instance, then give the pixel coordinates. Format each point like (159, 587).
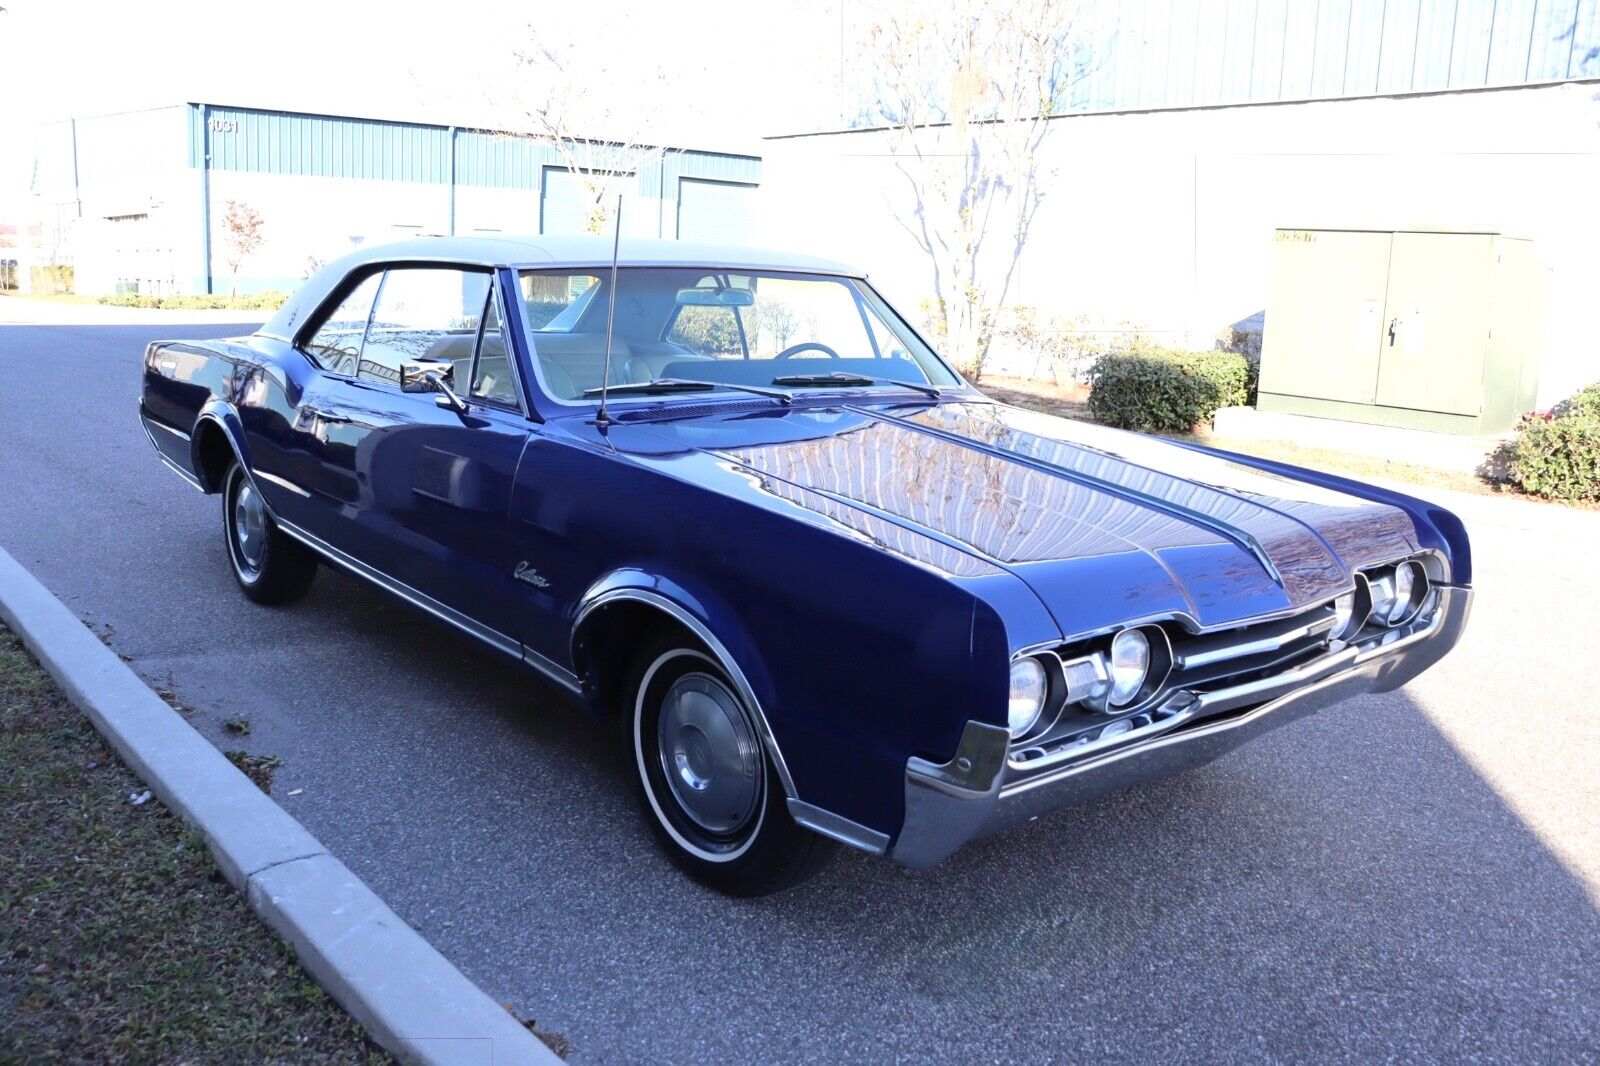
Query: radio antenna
(601, 417)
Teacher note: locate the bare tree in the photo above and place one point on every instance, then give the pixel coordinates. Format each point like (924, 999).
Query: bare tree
(592, 110)
(965, 89)
(241, 236)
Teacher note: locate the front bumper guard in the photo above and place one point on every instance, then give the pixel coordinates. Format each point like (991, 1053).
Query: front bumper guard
(978, 791)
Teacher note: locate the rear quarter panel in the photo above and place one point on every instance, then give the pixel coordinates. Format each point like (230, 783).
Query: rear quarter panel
(247, 388)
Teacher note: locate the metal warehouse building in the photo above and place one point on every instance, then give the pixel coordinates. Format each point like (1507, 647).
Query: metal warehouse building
(1200, 135)
(136, 201)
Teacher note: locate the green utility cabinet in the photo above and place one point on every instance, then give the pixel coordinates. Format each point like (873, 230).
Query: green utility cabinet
(1425, 329)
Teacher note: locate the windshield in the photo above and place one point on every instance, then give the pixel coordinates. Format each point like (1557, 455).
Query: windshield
(812, 331)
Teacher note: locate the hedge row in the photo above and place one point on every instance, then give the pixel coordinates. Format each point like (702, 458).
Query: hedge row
(260, 301)
(1168, 391)
(1557, 455)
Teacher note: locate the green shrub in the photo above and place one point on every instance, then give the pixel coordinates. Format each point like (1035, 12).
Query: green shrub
(1167, 391)
(1557, 457)
(53, 280)
(1584, 404)
(270, 300)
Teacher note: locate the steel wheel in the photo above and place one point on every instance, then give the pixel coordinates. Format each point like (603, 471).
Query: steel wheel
(710, 755)
(249, 529)
(707, 783)
(699, 758)
(269, 566)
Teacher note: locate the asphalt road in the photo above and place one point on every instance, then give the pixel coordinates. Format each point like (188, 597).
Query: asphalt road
(1412, 876)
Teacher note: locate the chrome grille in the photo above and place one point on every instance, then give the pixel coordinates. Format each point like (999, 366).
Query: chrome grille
(1200, 663)
(1221, 670)
(1235, 655)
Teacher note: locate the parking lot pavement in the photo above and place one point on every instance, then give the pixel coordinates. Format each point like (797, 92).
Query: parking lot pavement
(23, 310)
(1410, 876)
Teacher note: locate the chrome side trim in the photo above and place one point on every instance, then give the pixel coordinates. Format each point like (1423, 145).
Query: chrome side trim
(180, 434)
(281, 482)
(192, 481)
(492, 637)
(718, 649)
(838, 827)
(552, 669)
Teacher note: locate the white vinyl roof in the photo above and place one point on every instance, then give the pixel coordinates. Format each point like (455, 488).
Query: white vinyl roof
(540, 252)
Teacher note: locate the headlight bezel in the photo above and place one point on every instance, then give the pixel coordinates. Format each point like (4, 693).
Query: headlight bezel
(1410, 602)
(1360, 610)
(1385, 597)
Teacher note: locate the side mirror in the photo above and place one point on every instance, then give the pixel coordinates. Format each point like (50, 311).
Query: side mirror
(426, 375)
(433, 375)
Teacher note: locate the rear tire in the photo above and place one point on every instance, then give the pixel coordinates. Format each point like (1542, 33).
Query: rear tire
(706, 784)
(270, 566)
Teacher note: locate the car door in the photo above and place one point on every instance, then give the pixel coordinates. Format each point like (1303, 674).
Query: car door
(419, 490)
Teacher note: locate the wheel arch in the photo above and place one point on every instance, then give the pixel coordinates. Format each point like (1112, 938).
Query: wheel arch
(216, 442)
(627, 602)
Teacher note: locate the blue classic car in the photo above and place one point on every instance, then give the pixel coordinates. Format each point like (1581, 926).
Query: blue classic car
(826, 589)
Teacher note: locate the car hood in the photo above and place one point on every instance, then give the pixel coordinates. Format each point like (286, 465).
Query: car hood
(1103, 525)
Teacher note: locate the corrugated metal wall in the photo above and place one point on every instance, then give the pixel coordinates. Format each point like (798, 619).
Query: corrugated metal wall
(277, 142)
(1197, 53)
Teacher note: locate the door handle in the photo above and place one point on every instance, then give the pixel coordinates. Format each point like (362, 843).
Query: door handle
(1394, 324)
(328, 416)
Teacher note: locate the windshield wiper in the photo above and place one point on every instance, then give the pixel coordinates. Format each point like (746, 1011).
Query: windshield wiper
(659, 385)
(840, 377)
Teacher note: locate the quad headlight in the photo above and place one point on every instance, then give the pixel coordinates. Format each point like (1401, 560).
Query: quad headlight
(1130, 666)
(1028, 690)
(1389, 596)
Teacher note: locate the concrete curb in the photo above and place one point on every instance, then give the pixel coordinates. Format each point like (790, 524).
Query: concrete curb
(397, 985)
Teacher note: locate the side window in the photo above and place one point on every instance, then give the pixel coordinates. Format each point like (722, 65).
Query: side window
(423, 313)
(491, 379)
(555, 302)
(336, 345)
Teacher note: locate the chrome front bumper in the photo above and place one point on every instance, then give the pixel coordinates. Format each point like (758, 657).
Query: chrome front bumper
(978, 791)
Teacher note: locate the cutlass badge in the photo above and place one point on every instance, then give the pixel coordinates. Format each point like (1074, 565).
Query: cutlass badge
(524, 572)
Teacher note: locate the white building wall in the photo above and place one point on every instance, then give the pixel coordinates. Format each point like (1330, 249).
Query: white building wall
(1165, 218)
(487, 210)
(307, 221)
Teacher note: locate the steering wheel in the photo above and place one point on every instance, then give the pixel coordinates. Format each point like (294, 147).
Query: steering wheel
(807, 346)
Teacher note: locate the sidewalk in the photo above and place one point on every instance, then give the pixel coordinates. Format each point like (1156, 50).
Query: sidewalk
(1443, 451)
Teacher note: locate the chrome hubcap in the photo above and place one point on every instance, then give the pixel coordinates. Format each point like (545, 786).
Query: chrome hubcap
(249, 526)
(710, 754)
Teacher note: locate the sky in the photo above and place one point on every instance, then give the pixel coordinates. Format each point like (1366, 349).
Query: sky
(719, 74)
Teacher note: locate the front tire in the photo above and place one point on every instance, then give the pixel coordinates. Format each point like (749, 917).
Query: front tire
(707, 787)
(270, 566)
